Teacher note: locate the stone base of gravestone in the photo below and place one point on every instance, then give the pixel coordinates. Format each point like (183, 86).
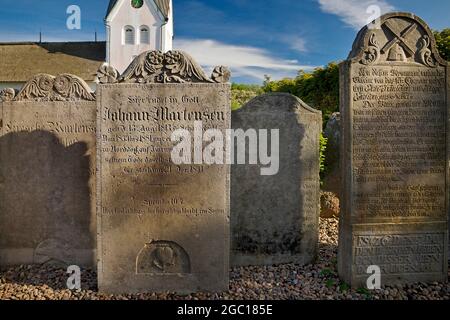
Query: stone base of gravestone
(274, 217)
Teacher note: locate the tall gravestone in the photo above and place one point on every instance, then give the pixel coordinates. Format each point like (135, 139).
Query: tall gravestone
(47, 172)
(162, 226)
(275, 217)
(394, 109)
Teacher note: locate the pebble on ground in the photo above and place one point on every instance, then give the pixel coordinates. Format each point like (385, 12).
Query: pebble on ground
(317, 281)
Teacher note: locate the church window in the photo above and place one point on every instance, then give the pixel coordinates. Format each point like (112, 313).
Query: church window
(129, 35)
(145, 35)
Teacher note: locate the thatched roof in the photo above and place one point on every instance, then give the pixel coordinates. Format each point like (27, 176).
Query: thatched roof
(20, 61)
(163, 6)
(112, 4)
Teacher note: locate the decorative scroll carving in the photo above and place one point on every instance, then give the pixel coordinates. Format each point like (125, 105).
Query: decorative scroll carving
(7, 94)
(107, 74)
(170, 67)
(425, 53)
(65, 87)
(221, 74)
(372, 53)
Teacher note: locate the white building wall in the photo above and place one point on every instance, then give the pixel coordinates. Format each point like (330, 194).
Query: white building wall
(168, 32)
(119, 54)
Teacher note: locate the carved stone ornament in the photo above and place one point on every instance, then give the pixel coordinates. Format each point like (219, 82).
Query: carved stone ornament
(399, 38)
(170, 67)
(425, 53)
(372, 53)
(7, 94)
(163, 257)
(65, 87)
(107, 74)
(54, 251)
(221, 74)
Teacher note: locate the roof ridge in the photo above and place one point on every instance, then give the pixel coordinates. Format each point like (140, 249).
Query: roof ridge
(20, 61)
(50, 42)
(162, 5)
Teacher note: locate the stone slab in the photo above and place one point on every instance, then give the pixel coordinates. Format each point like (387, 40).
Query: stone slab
(161, 226)
(275, 217)
(47, 179)
(394, 109)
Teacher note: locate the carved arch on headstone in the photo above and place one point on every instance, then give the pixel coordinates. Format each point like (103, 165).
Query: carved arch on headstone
(53, 251)
(64, 87)
(163, 257)
(396, 37)
(169, 67)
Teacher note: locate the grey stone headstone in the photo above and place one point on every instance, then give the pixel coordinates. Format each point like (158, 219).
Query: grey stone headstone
(394, 113)
(275, 217)
(47, 173)
(162, 226)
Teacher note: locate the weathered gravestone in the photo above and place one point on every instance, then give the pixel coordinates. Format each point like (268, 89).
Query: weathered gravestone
(275, 217)
(47, 172)
(162, 226)
(394, 91)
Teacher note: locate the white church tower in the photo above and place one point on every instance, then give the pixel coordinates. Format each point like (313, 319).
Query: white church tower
(136, 26)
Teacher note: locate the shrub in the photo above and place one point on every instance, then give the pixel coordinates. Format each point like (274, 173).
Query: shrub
(319, 89)
(243, 93)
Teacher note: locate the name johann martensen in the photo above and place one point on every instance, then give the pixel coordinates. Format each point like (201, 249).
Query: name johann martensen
(163, 114)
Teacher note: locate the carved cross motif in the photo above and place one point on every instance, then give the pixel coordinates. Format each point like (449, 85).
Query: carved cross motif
(400, 37)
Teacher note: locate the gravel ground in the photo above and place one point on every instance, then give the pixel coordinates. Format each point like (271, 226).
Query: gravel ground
(315, 282)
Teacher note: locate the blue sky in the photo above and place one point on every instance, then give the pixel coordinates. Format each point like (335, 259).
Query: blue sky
(254, 38)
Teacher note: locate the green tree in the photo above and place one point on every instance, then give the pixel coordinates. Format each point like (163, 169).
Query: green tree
(443, 43)
(319, 88)
(243, 93)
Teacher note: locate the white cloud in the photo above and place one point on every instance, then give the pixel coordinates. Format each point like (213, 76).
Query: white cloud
(244, 61)
(354, 12)
(295, 43)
